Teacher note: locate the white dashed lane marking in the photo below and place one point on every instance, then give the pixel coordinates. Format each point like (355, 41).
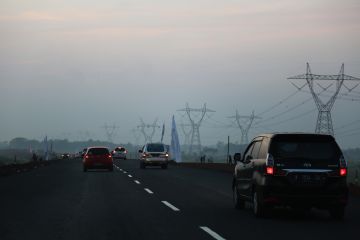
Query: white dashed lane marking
(212, 233)
(129, 175)
(170, 206)
(148, 190)
(137, 182)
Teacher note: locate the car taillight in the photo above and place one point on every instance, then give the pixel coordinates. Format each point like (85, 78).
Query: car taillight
(343, 172)
(109, 156)
(86, 156)
(269, 164)
(145, 154)
(343, 166)
(270, 170)
(125, 151)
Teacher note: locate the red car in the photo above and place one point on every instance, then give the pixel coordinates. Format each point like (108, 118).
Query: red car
(97, 157)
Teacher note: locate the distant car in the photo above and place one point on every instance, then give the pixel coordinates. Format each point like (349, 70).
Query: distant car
(83, 152)
(296, 170)
(65, 156)
(97, 157)
(119, 153)
(154, 154)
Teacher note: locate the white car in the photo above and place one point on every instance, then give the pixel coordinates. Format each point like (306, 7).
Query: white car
(154, 154)
(119, 153)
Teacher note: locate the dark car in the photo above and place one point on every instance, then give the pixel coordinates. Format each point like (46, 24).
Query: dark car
(154, 154)
(97, 157)
(292, 169)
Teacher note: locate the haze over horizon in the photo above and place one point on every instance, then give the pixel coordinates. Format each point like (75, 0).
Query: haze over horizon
(69, 67)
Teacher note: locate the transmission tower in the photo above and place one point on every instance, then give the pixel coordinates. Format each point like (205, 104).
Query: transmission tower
(110, 131)
(148, 136)
(187, 133)
(136, 133)
(324, 120)
(244, 123)
(195, 143)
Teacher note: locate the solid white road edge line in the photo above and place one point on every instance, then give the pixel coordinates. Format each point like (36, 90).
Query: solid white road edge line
(170, 206)
(137, 182)
(148, 190)
(212, 233)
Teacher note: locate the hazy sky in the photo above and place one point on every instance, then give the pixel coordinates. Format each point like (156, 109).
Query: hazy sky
(67, 67)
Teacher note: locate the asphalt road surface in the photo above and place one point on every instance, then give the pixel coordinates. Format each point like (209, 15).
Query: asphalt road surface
(62, 202)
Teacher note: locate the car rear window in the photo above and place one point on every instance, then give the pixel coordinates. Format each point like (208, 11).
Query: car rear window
(120, 149)
(155, 148)
(312, 148)
(98, 151)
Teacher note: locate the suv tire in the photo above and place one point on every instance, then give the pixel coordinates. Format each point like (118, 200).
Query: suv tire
(238, 203)
(164, 166)
(142, 165)
(258, 207)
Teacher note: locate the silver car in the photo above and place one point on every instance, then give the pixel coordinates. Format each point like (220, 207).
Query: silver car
(119, 153)
(154, 154)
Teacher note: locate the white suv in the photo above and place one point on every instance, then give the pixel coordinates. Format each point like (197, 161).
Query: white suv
(154, 154)
(119, 153)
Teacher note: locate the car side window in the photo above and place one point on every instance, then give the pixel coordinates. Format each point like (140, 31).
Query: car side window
(264, 148)
(248, 151)
(255, 150)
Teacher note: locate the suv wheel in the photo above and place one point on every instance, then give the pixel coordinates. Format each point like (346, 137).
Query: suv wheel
(164, 166)
(258, 207)
(238, 203)
(142, 165)
(338, 212)
(84, 169)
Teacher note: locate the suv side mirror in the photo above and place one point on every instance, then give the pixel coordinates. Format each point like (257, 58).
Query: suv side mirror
(237, 157)
(140, 151)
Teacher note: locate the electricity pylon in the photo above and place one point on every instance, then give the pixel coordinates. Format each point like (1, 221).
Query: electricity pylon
(136, 133)
(110, 131)
(187, 133)
(148, 136)
(244, 123)
(324, 121)
(195, 142)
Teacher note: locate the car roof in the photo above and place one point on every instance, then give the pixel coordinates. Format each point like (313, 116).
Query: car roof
(97, 147)
(272, 135)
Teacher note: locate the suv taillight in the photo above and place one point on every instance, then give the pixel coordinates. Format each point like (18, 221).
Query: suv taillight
(269, 164)
(343, 166)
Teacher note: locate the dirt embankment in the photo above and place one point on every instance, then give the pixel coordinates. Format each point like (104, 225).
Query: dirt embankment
(10, 169)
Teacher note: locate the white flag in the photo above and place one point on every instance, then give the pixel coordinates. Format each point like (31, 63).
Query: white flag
(175, 145)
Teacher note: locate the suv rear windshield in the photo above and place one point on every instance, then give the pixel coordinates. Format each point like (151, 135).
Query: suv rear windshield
(120, 149)
(155, 148)
(98, 151)
(312, 147)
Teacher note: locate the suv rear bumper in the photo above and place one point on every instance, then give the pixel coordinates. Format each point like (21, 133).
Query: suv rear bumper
(316, 197)
(154, 161)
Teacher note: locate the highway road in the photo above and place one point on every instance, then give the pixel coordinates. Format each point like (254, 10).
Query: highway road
(62, 202)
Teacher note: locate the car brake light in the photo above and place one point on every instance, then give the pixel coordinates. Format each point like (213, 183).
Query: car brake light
(343, 172)
(86, 156)
(269, 164)
(270, 170)
(109, 156)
